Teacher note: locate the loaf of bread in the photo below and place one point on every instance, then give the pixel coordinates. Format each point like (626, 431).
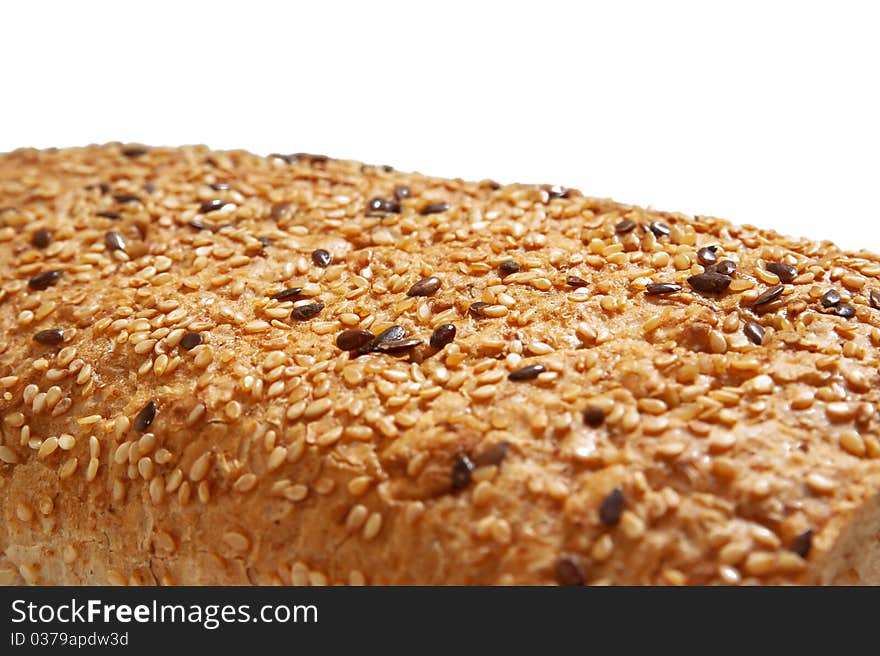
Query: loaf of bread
(221, 368)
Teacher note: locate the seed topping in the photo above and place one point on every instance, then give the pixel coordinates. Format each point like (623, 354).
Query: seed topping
(476, 309)
(443, 334)
(508, 267)
(627, 225)
(802, 543)
(434, 208)
(425, 287)
(785, 272)
(45, 279)
(123, 199)
(494, 455)
(289, 294)
(845, 310)
(397, 345)
(114, 241)
(211, 205)
(50, 337)
(568, 572)
(190, 340)
(462, 469)
(830, 298)
(769, 295)
(594, 416)
(321, 258)
(725, 267)
(41, 238)
(754, 332)
(659, 229)
(529, 372)
(710, 282)
(707, 256)
(145, 417)
(352, 340)
(611, 507)
(381, 206)
(658, 288)
(306, 312)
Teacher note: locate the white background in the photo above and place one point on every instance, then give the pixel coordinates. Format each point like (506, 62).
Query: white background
(761, 112)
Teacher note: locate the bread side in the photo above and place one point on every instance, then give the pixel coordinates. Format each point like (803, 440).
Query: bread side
(629, 396)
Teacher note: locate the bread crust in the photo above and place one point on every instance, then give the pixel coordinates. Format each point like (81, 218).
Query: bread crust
(670, 435)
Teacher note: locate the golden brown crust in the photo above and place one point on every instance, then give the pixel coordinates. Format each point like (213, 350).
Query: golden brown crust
(670, 436)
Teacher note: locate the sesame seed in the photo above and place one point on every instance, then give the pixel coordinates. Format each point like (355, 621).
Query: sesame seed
(8, 456)
(657, 288)
(114, 241)
(568, 572)
(49, 337)
(442, 335)
(44, 279)
(321, 258)
(108, 214)
(425, 287)
(401, 192)
(803, 543)
(145, 417)
(306, 312)
(611, 507)
(290, 294)
(126, 198)
(830, 298)
(529, 372)
(594, 416)
(211, 206)
(625, 226)
(707, 255)
(41, 238)
(494, 455)
(434, 208)
(372, 526)
(710, 282)
(352, 340)
(754, 332)
(200, 467)
(190, 341)
(575, 281)
(769, 295)
(820, 484)
(508, 267)
(785, 272)
(659, 229)
(852, 443)
(462, 469)
(134, 152)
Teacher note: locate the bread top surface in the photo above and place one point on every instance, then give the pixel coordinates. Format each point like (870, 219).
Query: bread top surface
(582, 424)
